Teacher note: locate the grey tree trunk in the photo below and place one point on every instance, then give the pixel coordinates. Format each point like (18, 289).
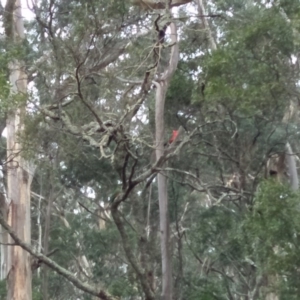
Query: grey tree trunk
(161, 88)
(19, 175)
(46, 241)
(202, 14)
(3, 234)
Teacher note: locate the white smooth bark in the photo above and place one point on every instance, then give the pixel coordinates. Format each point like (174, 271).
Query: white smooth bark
(161, 88)
(19, 171)
(291, 167)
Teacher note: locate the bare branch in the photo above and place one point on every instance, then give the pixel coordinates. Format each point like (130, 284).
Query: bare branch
(129, 254)
(101, 294)
(152, 4)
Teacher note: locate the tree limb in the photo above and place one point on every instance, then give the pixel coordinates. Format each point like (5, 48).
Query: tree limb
(151, 4)
(101, 294)
(129, 254)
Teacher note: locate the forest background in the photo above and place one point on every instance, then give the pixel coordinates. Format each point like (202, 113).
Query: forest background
(97, 202)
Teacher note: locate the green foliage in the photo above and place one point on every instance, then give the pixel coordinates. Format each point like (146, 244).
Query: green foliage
(259, 48)
(179, 96)
(264, 239)
(37, 296)
(8, 101)
(86, 167)
(217, 235)
(208, 236)
(273, 229)
(274, 226)
(2, 148)
(224, 237)
(3, 290)
(122, 288)
(203, 289)
(4, 86)
(64, 239)
(290, 7)
(181, 86)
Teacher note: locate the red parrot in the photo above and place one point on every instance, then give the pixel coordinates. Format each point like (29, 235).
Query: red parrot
(174, 136)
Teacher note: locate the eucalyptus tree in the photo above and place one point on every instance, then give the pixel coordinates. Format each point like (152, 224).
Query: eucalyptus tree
(250, 81)
(81, 59)
(106, 90)
(16, 202)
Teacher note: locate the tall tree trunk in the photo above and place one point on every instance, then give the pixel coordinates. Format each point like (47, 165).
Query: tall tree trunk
(161, 88)
(202, 14)
(45, 278)
(3, 234)
(19, 175)
(3, 210)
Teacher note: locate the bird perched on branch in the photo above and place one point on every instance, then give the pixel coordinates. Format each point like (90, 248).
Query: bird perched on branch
(174, 136)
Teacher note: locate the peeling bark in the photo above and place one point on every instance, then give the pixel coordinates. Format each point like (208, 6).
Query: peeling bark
(19, 171)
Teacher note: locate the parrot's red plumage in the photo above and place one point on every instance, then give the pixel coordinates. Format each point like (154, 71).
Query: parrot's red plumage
(174, 136)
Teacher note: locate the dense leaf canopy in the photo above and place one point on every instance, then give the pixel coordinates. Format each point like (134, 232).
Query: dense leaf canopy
(90, 130)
